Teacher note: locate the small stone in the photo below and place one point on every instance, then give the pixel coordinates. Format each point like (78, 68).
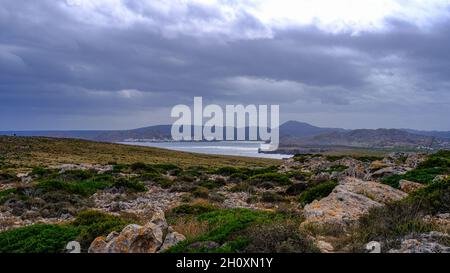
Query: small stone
(325, 247)
(441, 178)
(99, 245)
(409, 186)
(172, 239)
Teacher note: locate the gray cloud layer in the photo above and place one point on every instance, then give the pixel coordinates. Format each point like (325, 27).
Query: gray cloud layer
(62, 71)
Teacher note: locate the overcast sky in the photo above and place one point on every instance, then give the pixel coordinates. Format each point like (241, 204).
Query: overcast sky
(119, 64)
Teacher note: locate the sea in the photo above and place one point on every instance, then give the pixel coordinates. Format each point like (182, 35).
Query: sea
(234, 148)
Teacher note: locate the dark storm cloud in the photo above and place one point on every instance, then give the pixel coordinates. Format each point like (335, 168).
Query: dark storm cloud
(53, 64)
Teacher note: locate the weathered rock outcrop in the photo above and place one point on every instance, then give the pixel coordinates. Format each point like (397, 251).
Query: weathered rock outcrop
(150, 238)
(85, 167)
(142, 204)
(441, 178)
(355, 168)
(386, 172)
(424, 243)
(409, 186)
(172, 239)
(349, 200)
(440, 220)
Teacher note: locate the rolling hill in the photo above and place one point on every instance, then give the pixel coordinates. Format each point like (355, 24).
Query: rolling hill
(365, 138)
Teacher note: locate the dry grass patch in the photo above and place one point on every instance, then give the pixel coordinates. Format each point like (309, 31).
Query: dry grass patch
(32, 151)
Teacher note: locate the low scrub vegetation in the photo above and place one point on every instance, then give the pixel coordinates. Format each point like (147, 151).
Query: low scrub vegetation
(83, 182)
(91, 224)
(272, 197)
(336, 168)
(282, 236)
(268, 180)
(225, 227)
(45, 238)
(436, 164)
(195, 209)
(317, 192)
(388, 224)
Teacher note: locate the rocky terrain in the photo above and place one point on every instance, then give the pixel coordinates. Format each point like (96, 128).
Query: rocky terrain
(309, 203)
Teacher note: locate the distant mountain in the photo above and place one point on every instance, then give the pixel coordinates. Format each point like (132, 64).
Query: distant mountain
(439, 134)
(153, 132)
(87, 134)
(302, 129)
(292, 134)
(365, 138)
(162, 132)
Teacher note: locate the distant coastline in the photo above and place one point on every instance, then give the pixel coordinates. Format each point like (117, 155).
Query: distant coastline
(233, 148)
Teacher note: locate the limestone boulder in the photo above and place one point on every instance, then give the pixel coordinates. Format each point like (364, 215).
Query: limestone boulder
(409, 186)
(149, 238)
(424, 243)
(350, 200)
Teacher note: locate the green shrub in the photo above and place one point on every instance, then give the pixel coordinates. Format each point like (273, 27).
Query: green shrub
(237, 177)
(131, 185)
(152, 176)
(433, 199)
(140, 166)
(272, 197)
(37, 238)
(84, 188)
(194, 171)
(217, 197)
(227, 171)
(92, 224)
(117, 168)
(224, 224)
(259, 171)
(440, 159)
(390, 223)
(18, 193)
(368, 159)
(76, 175)
(274, 178)
(6, 177)
(337, 168)
(193, 209)
(244, 172)
(333, 158)
(423, 176)
(299, 175)
(363, 158)
(164, 182)
(90, 186)
(278, 237)
(302, 158)
(317, 192)
(200, 192)
(211, 184)
(40, 171)
(167, 167)
(435, 164)
(243, 187)
(185, 178)
(7, 194)
(41, 238)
